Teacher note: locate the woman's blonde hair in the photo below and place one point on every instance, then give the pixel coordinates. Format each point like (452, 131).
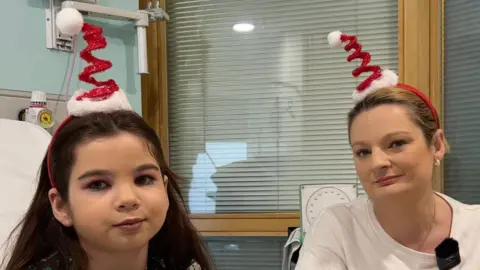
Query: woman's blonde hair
(420, 113)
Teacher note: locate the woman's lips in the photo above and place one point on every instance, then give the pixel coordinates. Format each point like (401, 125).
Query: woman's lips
(386, 180)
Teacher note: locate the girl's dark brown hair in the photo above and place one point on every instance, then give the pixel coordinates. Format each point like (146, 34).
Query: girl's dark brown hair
(40, 235)
(419, 111)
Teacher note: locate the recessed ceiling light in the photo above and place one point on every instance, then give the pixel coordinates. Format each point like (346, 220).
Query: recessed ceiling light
(243, 27)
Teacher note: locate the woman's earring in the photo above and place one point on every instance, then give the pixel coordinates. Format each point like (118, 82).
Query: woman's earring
(437, 162)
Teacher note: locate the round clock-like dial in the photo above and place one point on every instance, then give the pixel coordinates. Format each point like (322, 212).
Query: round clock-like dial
(45, 118)
(322, 198)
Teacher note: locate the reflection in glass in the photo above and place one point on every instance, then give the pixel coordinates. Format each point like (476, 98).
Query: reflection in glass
(202, 192)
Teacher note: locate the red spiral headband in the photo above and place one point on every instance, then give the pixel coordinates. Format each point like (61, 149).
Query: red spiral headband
(379, 78)
(95, 41)
(106, 96)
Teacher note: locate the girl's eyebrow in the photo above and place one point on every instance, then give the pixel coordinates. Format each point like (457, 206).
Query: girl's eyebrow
(95, 172)
(106, 173)
(147, 166)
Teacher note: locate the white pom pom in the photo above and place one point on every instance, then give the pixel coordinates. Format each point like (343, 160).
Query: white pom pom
(388, 78)
(334, 39)
(69, 21)
(117, 101)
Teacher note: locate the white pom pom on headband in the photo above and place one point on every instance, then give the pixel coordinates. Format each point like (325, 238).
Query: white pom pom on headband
(106, 96)
(379, 78)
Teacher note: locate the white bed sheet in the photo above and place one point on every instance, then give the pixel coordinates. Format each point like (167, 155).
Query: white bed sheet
(22, 148)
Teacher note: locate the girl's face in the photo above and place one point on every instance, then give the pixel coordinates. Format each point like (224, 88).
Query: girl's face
(390, 152)
(117, 195)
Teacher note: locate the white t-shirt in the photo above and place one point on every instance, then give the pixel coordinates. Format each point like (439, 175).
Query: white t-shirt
(348, 236)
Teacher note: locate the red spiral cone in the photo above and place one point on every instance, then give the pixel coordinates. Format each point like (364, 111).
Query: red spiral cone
(364, 66)
(93, 35)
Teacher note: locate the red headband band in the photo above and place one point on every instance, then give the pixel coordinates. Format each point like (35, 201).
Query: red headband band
(379, 78)
(425, 99)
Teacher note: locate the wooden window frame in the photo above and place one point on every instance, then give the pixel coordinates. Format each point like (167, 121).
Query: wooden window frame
(420, 55)
(420, 46)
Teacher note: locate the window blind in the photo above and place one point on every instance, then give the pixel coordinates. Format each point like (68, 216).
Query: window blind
(253, 115)
(462, 97)
(246, 253)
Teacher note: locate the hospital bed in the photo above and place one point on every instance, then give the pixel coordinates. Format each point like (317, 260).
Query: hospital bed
(22, 148)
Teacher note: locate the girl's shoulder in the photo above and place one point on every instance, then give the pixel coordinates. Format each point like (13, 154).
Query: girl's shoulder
(156, 264)
(55, 263)
(51, 263)
(41, 265)
(195, 266)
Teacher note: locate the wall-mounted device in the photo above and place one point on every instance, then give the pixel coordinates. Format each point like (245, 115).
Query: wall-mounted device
(38, 113)
(141, 19)
(315, 198)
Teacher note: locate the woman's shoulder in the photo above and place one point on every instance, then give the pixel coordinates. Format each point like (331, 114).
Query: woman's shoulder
(459, 207)
(352, 210)
(341, 217)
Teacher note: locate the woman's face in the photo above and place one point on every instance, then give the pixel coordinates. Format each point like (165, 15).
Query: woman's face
(390, 152)
(117, 195)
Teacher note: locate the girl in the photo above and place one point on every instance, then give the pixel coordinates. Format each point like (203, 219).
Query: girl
(106, 198)
(396, 141)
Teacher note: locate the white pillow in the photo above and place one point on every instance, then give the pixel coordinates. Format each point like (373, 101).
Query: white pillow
(22, 148)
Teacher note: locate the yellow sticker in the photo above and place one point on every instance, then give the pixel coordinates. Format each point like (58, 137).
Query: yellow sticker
(45, 118)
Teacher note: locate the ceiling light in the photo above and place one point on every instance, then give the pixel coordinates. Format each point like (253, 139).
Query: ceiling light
(243, 27)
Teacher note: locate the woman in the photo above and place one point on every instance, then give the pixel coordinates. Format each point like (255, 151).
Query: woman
(396, 142)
